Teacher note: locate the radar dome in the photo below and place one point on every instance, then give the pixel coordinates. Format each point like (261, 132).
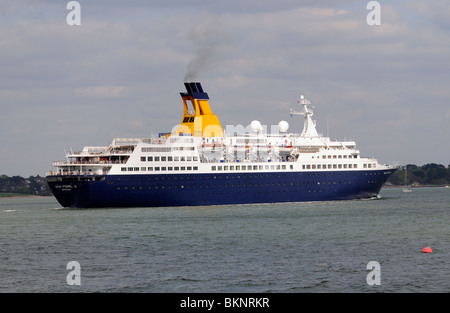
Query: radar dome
(256, 126)
(283, 126)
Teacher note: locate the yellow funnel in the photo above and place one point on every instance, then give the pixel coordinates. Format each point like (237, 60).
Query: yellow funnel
(202, 122)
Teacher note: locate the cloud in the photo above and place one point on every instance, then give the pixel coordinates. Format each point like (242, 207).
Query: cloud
(435, 12)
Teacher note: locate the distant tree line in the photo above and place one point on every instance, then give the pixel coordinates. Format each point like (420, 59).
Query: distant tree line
(428, 174)
(33, 185)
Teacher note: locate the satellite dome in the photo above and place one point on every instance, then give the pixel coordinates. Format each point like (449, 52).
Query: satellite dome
(283, 126)
(256, 126)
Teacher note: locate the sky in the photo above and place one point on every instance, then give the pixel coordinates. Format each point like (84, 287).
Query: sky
(119, 73)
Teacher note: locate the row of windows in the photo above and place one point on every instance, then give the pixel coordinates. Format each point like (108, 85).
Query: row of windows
(249, 167)
(336, 166)
(339, 156)
(166, 149)
(244, 185)
(156, 149)
(327, 166)
(168, 158)
(183, 148)
(283, 167)
(159, 168)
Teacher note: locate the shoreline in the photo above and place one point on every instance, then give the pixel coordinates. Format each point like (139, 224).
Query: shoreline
(22, 196)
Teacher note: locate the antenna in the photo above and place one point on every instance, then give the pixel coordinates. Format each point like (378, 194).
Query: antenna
(309, 127)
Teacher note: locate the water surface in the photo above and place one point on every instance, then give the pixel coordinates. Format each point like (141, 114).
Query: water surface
(297, 247)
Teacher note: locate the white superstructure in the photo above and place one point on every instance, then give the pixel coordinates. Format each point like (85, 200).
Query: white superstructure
(255, 151)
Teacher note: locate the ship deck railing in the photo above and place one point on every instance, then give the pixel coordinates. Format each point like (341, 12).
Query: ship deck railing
(75, 173)
(63, 163)
(249, 161)
(104, 153)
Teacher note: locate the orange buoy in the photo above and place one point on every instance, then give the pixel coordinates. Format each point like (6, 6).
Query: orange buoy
(427, 250)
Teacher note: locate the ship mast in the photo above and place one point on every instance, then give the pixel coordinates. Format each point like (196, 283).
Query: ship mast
(309, 126)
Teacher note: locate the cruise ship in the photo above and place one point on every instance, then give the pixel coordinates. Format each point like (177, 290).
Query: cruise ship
(197, 164)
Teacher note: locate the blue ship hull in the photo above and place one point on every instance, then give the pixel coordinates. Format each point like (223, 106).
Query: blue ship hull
(215, 189)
